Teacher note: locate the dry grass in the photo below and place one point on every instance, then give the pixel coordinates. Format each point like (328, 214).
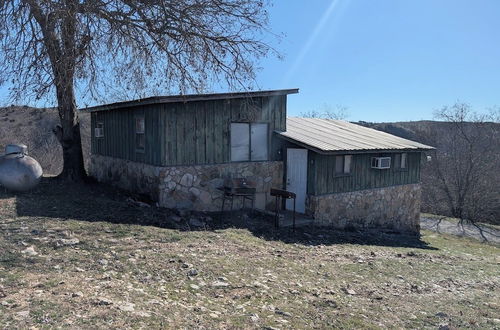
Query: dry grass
(70, 257)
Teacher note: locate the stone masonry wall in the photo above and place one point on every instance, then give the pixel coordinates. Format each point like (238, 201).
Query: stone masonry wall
(190, 187)
(128, 175)
(396, 208)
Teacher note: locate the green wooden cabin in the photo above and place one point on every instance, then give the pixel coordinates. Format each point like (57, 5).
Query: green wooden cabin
(183, 130)
(180, 149)
(328, 159)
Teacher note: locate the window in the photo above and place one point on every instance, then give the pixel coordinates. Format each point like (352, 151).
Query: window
(99, 129)
(381, 163)
(400, 160)
(403, 160)
(343, 164)
(249, 141)
(347, 164)
(140, 137)
(397, 160)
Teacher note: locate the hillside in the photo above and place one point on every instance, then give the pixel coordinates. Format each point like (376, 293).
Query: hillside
(83, 257)
(423, 131)
(33, 127)
(452, 153)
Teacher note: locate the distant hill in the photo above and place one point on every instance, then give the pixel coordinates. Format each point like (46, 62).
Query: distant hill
(437, 134)
(423, 131)
(33, 127)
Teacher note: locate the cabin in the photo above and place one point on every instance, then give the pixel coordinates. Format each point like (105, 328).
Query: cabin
(180, 151)
(347, 175)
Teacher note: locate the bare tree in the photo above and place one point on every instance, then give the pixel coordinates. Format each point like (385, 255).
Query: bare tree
(88, 49)
(327, 111)
(464, 169)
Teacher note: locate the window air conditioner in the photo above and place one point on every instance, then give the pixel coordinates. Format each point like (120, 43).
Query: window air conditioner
(381, 162)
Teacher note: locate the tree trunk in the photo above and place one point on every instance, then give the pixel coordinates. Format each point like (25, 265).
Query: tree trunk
(73, 169)
(68, 133)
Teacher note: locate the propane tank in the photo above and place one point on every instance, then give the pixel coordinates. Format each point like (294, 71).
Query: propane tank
(18, 171)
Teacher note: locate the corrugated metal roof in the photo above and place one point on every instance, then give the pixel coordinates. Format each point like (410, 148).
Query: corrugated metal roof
(189, 98)
(330, 136)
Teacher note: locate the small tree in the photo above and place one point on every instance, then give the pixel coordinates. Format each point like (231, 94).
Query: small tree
(464, 169)
(327, 111)
(87, 49)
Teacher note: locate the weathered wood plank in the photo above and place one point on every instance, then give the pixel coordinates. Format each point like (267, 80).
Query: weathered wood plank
(176, 136)
(362, 176)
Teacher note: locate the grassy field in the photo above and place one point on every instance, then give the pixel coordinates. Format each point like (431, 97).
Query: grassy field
(75, 257)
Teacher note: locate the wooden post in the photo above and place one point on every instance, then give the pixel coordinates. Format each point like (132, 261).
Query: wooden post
(294, 214)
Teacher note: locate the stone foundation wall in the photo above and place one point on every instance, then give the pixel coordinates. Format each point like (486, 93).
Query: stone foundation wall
(190, 187)
(396, 208)
(128, 175)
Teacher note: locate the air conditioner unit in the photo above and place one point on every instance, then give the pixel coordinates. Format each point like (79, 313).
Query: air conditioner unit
(99, 132)
(381, 162)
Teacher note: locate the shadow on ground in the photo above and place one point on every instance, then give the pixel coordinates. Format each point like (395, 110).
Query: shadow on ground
(97, 202)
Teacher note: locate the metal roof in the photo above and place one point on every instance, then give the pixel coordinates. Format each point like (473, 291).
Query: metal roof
(331, 136)
(189, 98)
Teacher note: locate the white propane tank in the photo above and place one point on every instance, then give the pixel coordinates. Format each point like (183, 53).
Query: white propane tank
(18, 171)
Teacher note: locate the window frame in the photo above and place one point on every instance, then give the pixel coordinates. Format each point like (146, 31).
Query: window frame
(99, 125)
(344, 173)
(398, 161)
(137, 133)
(404, 168)
(249, 124)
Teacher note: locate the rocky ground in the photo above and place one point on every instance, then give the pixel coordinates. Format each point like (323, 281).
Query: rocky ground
(76, 257)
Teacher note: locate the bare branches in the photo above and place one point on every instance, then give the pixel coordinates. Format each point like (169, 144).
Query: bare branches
(96, 49)
(132, 46)
(338, 112)
(465, 166)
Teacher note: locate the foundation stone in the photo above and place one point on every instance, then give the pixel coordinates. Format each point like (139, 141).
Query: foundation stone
(395, 207)
(191, 187)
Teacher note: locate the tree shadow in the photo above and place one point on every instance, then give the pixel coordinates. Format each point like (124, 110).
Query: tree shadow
(97, 202)
(262, 226)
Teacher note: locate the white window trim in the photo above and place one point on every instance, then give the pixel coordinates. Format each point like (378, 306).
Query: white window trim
(345, 171)
(404, 161)
(99, 130)
(138, 132)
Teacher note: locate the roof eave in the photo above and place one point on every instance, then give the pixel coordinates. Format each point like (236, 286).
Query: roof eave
(351, 151)
(189, 98)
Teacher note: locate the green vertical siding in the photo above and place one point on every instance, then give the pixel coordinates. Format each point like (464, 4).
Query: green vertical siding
(119, 134)
(322, 178)
(185, 133)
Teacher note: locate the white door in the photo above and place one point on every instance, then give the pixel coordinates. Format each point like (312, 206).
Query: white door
(296, 178)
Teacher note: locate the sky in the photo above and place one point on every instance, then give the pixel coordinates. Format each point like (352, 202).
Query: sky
(386, 60)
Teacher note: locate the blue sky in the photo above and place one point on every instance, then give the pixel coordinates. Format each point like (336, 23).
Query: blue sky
(386, 60)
